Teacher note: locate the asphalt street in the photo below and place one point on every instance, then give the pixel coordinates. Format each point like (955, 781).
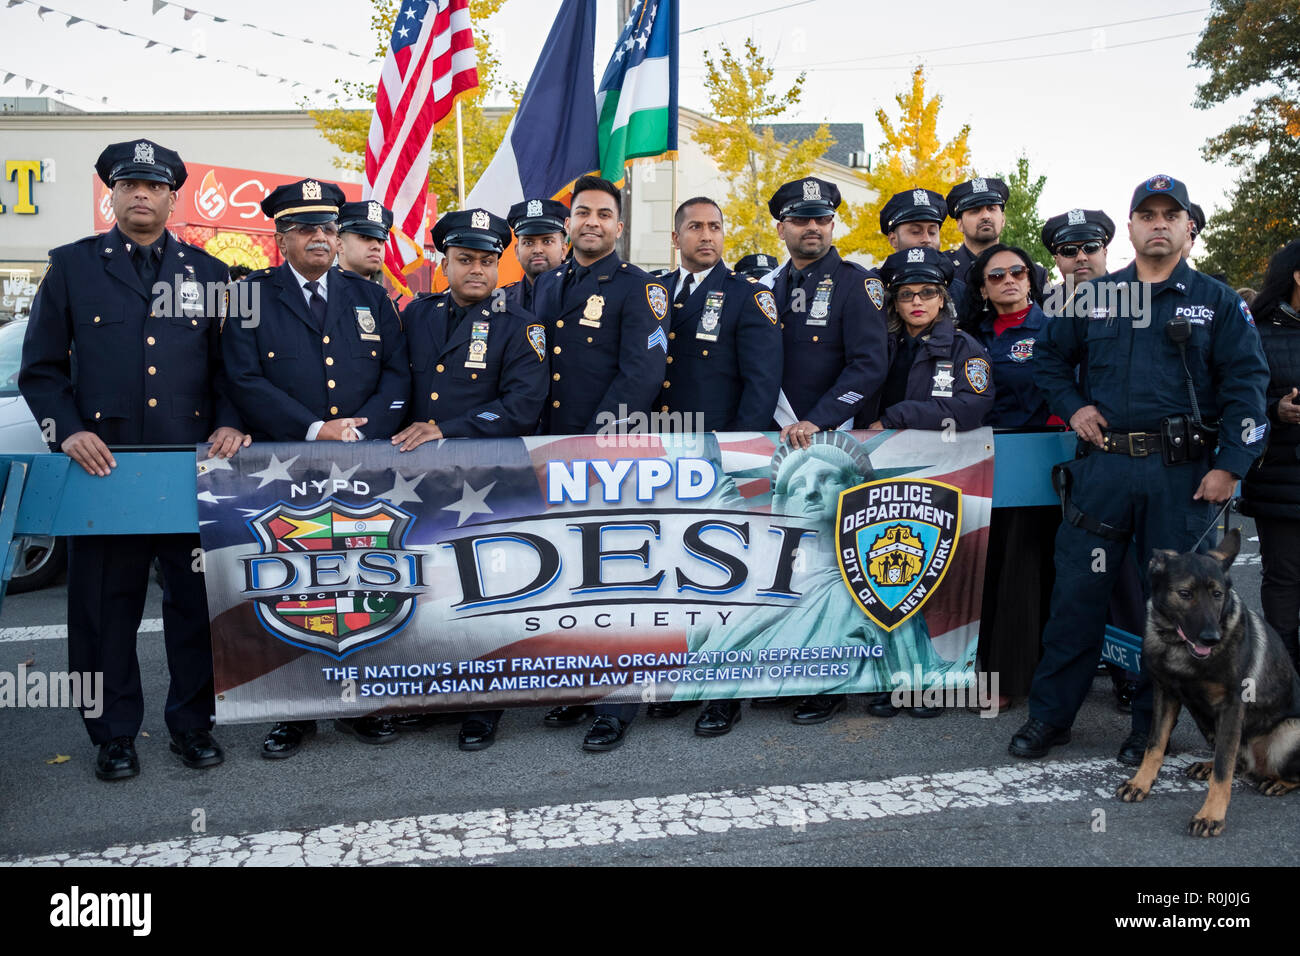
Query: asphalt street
(856, 791)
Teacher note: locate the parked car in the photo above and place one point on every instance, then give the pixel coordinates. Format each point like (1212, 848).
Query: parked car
(41, 558)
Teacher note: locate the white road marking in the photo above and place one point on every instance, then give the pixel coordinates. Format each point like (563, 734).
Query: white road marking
(501, 831)
(59, 632)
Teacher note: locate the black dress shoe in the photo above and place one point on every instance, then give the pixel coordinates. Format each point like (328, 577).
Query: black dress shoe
(1125, 691)
(1035, 738)
(1132, 749)
(371, 729)
(818, 709)
(286, 737)
(477, 734)
(567, 715)
(117, 759)
(197, 749)
(922, 711)
(605, 734)
(770, 703)
(669, 708)
(718, 718)
(880, 705)
(411, 723)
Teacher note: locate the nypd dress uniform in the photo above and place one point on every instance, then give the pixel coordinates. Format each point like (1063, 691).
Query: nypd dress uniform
(724, 353)
(606, 327)
(293, 369)
(920, 205)
(833, 335)
(369, 217)
(1076, 226)
(986, 191)
(532, 217)
(1132, 371)
(103, 354)
(944, 373)
(756, 265)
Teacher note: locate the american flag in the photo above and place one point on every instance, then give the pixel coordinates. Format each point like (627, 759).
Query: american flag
(430, 62)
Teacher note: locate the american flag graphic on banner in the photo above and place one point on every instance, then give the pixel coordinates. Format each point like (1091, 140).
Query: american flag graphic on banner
(430, 63)
(543, 570)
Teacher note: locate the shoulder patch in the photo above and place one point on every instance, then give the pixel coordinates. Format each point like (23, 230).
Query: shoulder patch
(767, 302)
(875, 292)
(537, 339)
(977, 374)
(657, 296)
(1246, 313)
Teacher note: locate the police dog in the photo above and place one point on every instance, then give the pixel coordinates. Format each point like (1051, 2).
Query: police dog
(1209, 653)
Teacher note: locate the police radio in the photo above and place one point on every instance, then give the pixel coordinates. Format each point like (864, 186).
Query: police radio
(1183, 439)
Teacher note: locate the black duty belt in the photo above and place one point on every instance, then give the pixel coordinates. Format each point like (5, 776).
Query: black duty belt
(1133, 444)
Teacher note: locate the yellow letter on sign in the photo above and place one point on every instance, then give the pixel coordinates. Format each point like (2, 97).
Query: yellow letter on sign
(24, 172)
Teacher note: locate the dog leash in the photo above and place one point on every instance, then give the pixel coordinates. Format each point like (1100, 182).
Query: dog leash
(1228, 507)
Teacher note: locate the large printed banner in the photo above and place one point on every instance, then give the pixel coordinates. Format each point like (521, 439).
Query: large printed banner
(349, 578)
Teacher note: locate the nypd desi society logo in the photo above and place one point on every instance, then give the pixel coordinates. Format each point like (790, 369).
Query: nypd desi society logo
(895, 539)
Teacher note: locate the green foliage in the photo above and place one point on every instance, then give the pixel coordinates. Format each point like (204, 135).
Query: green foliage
(1024, 226)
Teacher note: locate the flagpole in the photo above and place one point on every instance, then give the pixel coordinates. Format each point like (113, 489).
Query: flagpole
(672, 249)
(460, 158)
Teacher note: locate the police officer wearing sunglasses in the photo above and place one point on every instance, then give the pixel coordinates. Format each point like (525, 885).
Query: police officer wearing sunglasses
(1078, 241)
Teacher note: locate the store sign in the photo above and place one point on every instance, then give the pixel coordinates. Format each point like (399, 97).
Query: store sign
(217, 196)
(24, 174)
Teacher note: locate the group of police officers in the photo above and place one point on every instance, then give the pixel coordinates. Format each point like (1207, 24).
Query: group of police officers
(585, 338)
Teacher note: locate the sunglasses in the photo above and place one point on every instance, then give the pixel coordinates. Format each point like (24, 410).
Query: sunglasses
(928, 294)
(997, 275)
(801, 221)
(1089, 248)
(309, 228)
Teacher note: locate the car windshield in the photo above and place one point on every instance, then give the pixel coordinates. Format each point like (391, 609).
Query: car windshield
(11, 356)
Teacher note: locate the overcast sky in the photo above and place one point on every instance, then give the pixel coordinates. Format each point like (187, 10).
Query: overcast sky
(1097, 101)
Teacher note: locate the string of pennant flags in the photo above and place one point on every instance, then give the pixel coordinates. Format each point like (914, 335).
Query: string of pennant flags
(43, 86)
(150, 43)
(190, 13)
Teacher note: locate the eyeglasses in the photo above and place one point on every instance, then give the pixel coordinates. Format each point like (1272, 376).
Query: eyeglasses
(309, 228)
(927, 294)
(997, 275)
(801, 221)
(1089, 248)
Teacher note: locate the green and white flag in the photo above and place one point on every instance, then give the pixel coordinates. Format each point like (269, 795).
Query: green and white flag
(636, 101)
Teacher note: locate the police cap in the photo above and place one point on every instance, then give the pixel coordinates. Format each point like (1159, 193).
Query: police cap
(1077, 225)
(1161, 185)
(756, 265)
(369, 217)
(307, 200)
(914, 205)
(1198, 219)
(805, 197)
(537, 217)
(920, 264)
(471, 229)
(985, 191)
(140, 159)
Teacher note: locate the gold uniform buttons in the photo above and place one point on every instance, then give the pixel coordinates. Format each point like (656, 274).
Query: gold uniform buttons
(440, 368)
(153, 370)
(329, 360)
(663, 408)
(434, 396)
(334, 409)
(373, 353)
(589, 340)
(668, 384)
(153, 403)
(326, 340)
(670, 359)
(556, 350)
(96, 320)
(270, 355)
(194, 321)
(814, 338)
(97, 414)
(473, 374)
(559, 324)
(705, 353)
(330, 383)
(672, 335)
(150, 340)
(555, 404)
(556, 377)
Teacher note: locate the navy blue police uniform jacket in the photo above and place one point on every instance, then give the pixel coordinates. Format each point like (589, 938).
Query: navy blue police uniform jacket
(519, 295)
(286, 372)
(104, 354)
(834, 366)
(1133, 373)
(612, 366)
(501, 400)
(724, 353)
(1018, 403)
(950, 380)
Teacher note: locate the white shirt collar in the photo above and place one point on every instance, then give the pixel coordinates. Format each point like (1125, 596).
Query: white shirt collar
(699, 278)
(302, 283)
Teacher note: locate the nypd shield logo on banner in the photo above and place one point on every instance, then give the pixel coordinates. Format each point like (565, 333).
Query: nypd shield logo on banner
(895, 540)
(331, 577)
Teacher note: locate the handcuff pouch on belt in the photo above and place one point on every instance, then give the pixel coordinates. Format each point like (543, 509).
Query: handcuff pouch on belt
(1061, 478)
(1183, 439)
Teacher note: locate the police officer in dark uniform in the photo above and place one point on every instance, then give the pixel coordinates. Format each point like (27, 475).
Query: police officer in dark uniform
(325, 362)
(538, 225)
(1078, 241)
(1162, 363)
(363, 230)
(605, 323)
(123, 348)
(835, 346)
(477, 371)
(978, 206)
(913, 218)
(756, 265)
(724, 364)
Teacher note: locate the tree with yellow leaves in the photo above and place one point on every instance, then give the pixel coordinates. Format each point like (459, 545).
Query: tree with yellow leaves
(911, 156)
(752, 161)
(348, 129)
